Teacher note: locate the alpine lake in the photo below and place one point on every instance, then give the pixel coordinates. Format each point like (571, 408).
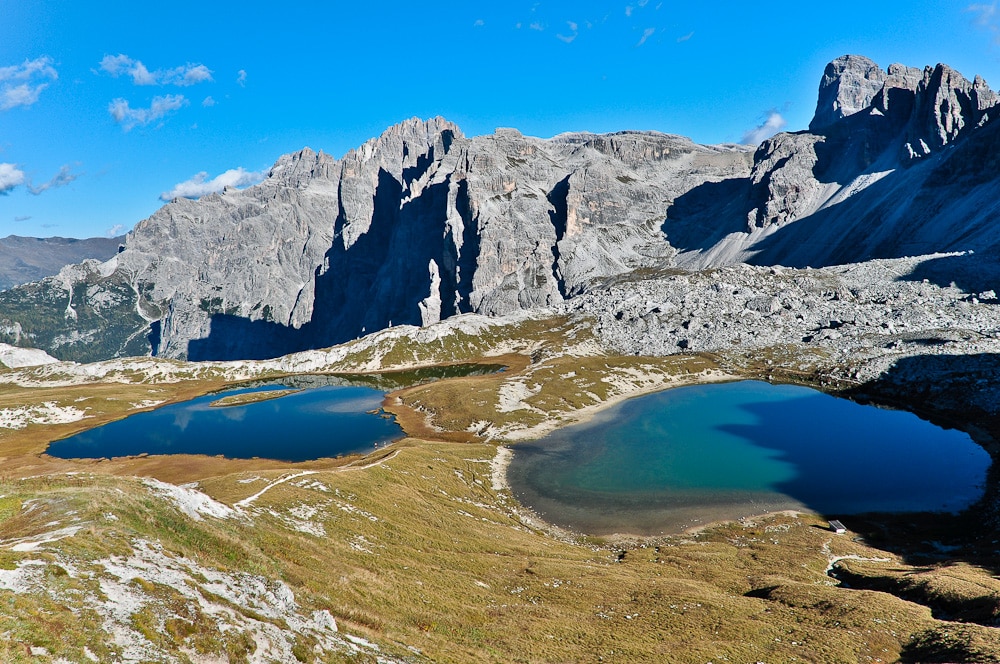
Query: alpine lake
(297, 418)
(657, 464)
(683, 458)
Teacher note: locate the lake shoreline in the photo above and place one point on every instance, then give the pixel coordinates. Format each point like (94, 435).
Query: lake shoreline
(593, 488)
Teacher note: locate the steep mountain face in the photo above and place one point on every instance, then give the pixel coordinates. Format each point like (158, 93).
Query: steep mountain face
(416, 225)
(896, 162)
(27, 259)
(423, 223)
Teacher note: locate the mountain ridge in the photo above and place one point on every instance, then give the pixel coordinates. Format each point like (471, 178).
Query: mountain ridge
(422, 222)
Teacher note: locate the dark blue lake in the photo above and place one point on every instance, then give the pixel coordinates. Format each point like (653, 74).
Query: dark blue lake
(311, 424)
(685, 457)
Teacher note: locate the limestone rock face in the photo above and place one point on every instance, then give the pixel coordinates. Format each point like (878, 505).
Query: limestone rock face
(423, 223)
(896, 163)
(848, 85)
(414, 226)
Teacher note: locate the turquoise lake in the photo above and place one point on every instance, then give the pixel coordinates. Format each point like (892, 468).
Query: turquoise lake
(311, 424)
(685, 457)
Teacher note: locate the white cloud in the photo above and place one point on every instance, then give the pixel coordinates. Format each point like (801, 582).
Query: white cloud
(182, 76)
(200, 185)
(628, 10)
(114, 230)
(479, 23)
(20, 85)
(646, 34)
(60, 179)
(537, 26)
(129, 117)
(208, 102)
(241, 78)
(772, 124)
(10, 177)
(574, 29)
(188, 74)
(685, 38)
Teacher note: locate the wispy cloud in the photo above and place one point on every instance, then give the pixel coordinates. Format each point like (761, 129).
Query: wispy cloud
(479, 23)
(685, 38)
(574, 31)
(646, 34)
(23, 217)
(10, 176)
(537, 26)
(984, 13)
(772, 123)
(20, 85)
(182, 76)
(200, 185)
(241, 78)
(208, 102)
(60, 179)
(629, 9)
(114, 231)
(130, 118)
(986, 19)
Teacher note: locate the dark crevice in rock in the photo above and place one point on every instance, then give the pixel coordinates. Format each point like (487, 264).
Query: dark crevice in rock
(460, 261)
(559, 218)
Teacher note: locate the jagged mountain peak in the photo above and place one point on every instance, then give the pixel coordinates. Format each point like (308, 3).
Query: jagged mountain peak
(926, 108)
(848, 86)
(422, 223)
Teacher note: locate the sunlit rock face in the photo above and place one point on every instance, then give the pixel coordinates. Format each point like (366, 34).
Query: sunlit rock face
(414, 226)
(423, 223)
(896, 162)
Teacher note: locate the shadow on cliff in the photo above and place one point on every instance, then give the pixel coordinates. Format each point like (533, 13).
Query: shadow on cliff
(377, 281)
(973, 273)
(909, 210)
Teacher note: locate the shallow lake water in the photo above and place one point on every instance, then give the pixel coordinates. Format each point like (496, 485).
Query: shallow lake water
(685, 457)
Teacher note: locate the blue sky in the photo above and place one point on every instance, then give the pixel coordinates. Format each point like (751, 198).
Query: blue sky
(104, 107)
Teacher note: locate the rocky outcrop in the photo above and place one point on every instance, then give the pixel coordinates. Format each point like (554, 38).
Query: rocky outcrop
(848, 85)
(417, 225)
(423, 223)
(896, 163)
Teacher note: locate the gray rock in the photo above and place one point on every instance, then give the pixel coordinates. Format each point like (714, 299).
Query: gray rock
(848, 86)
(419, 224)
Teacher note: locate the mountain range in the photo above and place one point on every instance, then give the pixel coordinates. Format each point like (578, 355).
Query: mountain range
(27, 259)
(423, 223)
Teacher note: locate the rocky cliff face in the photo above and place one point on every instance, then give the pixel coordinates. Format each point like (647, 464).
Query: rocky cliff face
(897, 162)
(414, 226)
(423, 223)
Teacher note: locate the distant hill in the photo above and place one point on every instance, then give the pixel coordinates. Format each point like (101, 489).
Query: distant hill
(27, 259)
